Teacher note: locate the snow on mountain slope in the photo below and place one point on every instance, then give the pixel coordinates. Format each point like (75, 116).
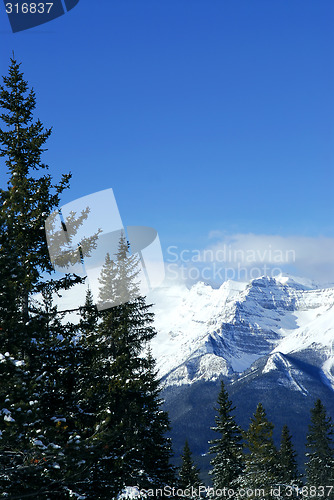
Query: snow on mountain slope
(316, 326)
(317, 335)
(205, 332)
(289, 375)
(184, 318)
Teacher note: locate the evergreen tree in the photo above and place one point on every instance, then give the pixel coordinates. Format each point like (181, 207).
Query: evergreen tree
(288, 470)
(37, 350)
(108, 283)
(90, 373)
(126, 445)
(79, 417)
(228, 460)
(320, 455)
(29, 197)
(188, 474)
(261, 468)
(156, 447)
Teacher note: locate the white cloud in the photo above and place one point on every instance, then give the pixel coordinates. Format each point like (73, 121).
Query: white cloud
(246, 256)
(306, 256)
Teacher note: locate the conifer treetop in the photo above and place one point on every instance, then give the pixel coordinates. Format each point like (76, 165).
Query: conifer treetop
(29, 197)
(320, 450)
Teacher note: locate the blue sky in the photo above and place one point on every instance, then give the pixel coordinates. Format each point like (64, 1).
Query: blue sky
(205, 117)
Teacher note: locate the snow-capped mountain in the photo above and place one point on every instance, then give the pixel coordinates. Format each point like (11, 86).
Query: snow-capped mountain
(271, 340)
(204, 333)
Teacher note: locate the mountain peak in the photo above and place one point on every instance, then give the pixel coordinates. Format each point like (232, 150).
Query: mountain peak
(204, 332)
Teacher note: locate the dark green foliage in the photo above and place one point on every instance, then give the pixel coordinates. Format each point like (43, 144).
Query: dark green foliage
(119, 393)
(80, 414)
(188, 474)
(288, 470)
(228, 460)
(261, 467)
(38, 424)
(320, 455)
(30, 197)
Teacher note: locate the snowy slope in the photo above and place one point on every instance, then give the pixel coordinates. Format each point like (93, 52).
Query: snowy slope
(204, 333)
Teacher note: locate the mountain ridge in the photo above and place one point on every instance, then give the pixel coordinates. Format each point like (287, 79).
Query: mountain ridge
(270, 340)
(237, 324)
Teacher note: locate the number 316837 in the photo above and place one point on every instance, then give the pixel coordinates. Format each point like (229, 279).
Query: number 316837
(29, 8)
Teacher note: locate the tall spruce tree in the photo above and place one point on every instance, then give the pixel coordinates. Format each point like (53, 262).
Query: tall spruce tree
(320, 454)
(78, 417)
(228, 460)
(127, 445)
(288, 469)
(188, 474)
(261, 465)
(29, 197)
(89, 374)
(36, 348)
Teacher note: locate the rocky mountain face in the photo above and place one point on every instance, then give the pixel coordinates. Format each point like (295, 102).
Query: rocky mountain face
(270, 339)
